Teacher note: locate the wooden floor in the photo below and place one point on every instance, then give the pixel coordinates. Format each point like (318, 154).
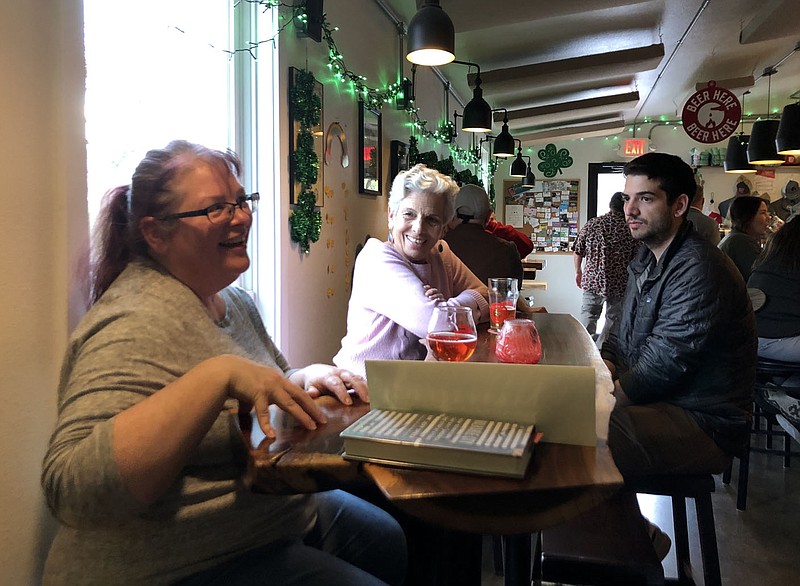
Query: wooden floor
(760, 546)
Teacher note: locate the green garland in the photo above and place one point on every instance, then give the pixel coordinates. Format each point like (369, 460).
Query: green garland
(305, 221)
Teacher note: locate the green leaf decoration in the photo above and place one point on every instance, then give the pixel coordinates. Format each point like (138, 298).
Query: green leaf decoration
(553, 160)
(305, 221)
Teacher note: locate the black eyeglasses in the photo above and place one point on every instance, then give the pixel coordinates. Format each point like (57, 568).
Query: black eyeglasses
(222, 212)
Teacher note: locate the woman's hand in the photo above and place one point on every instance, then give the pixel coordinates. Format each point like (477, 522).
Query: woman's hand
(319, 379)
(256, 386)
(432, 293)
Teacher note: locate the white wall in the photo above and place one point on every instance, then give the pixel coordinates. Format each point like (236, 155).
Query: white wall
(42, 169)
(562, 295)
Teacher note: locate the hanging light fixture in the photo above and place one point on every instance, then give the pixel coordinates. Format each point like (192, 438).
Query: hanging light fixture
(787, 140)
(736, 153)
(530, 178)
(431, 36)
(761, 147)
(518, 165)
(477, 112)
(503, 142)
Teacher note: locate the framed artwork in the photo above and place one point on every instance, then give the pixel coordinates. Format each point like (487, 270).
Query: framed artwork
(369, 150)
(398, 158)
(298, 105)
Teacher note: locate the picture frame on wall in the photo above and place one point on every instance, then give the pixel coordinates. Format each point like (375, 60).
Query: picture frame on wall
(369, 150)
(398, 158)
(317, 134)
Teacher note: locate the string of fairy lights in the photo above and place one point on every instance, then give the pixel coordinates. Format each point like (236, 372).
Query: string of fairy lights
(373, 97)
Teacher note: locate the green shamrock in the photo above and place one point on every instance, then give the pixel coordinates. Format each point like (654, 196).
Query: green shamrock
(553, 161)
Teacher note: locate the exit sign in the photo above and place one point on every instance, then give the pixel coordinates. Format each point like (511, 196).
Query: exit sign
(634, 147)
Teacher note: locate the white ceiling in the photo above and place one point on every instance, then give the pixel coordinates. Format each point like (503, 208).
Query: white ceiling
(589, 67)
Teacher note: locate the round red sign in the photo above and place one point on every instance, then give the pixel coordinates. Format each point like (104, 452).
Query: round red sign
(711, 114)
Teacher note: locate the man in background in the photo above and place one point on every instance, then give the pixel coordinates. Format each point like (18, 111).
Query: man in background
(484, 254)
(601, 254)
(705, 226)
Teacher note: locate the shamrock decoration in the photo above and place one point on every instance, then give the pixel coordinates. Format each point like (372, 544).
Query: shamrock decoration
(553, 161)
(305, 221)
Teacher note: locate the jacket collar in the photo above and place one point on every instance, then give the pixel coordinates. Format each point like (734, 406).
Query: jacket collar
(644, 257)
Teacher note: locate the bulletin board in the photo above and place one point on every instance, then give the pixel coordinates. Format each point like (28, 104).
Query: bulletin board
(547, 213)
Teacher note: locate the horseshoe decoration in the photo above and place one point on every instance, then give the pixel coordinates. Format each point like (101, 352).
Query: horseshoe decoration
(335, 129)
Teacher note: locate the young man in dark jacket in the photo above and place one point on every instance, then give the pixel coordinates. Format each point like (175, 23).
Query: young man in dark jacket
(683, 358)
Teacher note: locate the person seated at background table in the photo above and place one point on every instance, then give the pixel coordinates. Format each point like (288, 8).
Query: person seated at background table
(144, 469)
(397, 283)
(683, 356)
(484, 254)
(705, 226)
(750, 218)
(776, 272)
(510, 233)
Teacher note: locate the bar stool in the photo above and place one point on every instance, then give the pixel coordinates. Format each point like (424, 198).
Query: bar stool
(680, 487)
(764, 424)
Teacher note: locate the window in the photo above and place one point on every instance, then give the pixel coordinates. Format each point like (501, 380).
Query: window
(159, 71)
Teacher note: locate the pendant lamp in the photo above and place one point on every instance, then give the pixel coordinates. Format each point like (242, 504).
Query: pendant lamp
(477, 112)
(787, 140)
(736, 155)
(431, 36)
(530, 178)
(761, 148)
(518, 165)
(503, 142)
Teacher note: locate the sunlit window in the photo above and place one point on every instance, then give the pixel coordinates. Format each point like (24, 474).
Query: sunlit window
(159, 70)
(156, 71)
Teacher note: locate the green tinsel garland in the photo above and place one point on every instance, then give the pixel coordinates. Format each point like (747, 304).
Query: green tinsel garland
(305, 221)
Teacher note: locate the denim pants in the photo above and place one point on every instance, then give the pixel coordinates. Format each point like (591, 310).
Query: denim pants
(592, 308)
(353, 543)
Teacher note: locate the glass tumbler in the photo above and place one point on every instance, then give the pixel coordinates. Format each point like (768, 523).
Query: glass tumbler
(518, 342)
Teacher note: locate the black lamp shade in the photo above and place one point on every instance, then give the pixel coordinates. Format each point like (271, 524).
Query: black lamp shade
(530, 178)
(761, 148)
(736, 155)
(517, 167)
(477, 114)
(431, 36)
(504, 143)
(787, 140)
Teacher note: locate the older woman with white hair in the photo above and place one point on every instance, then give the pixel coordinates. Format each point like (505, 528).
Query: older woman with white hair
(397, 283)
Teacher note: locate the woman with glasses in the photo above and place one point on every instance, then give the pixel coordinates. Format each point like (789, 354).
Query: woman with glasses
(144, 469)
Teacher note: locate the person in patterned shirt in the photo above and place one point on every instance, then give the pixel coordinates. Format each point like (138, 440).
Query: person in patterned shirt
(601, 254)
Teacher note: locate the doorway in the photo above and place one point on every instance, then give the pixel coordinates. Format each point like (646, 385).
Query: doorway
(605, 179)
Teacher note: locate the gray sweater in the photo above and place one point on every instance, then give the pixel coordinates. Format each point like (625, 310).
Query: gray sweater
(145, 331)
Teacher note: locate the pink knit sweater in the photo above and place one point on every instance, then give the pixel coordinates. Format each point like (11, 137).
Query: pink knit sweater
(388, 312)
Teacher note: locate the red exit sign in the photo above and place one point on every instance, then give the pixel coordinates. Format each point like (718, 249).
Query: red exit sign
(634, 147)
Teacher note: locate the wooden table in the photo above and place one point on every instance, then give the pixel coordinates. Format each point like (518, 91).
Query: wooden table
(562, 482)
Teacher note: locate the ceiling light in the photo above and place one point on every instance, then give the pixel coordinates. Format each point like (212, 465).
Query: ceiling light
(736, 155)
(530, 178)
(787, 140)
(431, 36)
(477, 112)
(503, 142)
(518, 165)
(761, 148)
